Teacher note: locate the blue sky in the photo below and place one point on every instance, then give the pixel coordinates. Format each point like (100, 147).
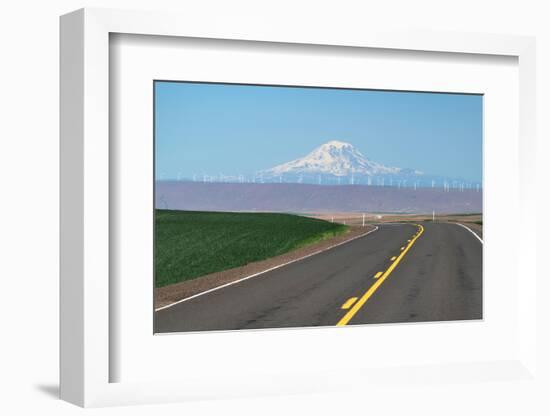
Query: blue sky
(238, 129)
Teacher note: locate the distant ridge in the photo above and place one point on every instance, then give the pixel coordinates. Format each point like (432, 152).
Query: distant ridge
(288, 197)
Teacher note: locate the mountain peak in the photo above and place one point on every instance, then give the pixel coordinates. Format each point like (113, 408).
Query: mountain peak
(336, 158)
(336, 143)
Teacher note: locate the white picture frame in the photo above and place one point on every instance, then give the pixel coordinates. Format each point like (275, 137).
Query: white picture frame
(86, 355)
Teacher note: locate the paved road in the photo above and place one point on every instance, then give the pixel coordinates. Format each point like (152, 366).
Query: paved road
(435, 276)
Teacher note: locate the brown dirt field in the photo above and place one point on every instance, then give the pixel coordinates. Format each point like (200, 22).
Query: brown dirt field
(178, 291)
(354, 218)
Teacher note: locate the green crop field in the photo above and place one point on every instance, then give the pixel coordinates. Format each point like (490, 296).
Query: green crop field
(190, 244)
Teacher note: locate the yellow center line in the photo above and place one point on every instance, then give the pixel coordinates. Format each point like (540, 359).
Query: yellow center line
(348, 303)
(377, 275)
(347, 317)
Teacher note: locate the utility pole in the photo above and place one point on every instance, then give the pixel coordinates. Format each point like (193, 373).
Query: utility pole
(363, 220)
(433, 216)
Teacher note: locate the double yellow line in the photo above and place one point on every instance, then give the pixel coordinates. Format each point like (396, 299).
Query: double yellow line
(358, 305)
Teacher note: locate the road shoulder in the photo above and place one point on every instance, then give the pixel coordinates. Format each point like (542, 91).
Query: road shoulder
(477, 229)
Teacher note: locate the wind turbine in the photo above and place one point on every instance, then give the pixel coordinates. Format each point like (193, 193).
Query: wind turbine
(163, 201)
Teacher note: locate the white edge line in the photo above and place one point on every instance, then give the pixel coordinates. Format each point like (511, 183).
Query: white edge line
(469, 229)
(263, 272)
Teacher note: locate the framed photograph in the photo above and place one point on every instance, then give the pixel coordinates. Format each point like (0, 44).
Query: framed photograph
(322, 199)
(308, 241)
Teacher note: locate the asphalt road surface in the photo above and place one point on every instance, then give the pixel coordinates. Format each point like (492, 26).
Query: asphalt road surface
(399, 273)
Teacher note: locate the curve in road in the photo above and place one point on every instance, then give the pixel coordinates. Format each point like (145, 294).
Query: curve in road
(435, 276)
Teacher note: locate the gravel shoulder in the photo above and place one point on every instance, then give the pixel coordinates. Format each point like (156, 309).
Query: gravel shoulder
(178, 291)
(476, 228)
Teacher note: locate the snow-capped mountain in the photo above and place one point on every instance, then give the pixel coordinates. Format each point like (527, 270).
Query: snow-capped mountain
(338, 159)
(340, 163)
